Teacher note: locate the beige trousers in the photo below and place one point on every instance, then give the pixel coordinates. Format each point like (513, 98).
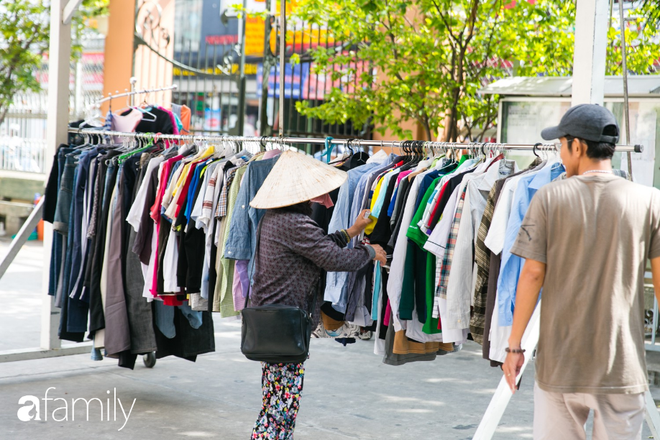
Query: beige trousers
(563, 415)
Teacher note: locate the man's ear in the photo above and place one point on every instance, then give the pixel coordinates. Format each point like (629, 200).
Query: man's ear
(579, 147)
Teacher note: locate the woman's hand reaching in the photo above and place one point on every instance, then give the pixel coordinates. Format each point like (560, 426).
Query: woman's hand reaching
(360, 224)
(381, 255)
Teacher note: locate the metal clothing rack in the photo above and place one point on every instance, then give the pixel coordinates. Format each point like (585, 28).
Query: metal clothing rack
(134, 92)
(502, 395)
(263, 140)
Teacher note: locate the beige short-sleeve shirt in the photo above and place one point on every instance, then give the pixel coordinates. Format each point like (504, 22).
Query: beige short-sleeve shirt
(594, 233)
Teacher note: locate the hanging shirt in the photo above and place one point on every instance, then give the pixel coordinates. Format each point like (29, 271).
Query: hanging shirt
(463, 276)
(495, 238)
(242, 238)
(380, 201)
(341, 219)
(432, 216)
(196, 212)
(512, 264)
(183, 183)
(223, 292)
(128, 121)
(352, 299)
(374, 198)
(157, 120)
(397, 267)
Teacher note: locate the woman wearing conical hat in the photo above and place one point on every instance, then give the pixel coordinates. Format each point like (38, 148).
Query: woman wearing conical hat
(293, 251)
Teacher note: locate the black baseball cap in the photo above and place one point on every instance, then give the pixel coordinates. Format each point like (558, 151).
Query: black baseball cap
(585, 121)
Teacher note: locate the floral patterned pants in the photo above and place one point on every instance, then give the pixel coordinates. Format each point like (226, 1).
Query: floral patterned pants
(282, 386)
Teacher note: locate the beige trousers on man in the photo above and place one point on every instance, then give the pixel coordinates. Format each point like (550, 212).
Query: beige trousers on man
(563, 415)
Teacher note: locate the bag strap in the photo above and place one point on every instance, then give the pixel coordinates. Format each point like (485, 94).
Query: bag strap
(315, 286)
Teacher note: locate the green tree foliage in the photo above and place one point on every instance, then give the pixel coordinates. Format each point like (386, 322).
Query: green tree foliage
(432, 56)
(24, 35)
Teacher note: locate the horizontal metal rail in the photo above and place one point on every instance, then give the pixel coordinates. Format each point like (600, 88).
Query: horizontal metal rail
(352, 142)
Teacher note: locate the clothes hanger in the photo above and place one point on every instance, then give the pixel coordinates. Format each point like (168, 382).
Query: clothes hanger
(142, 108)
(137, 148)
(405, 145)
(95, 118)
(88, 141)
(328, 149)
(409, 151)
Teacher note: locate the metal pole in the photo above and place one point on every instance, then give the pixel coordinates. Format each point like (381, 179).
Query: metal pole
(22, 237)
(282, 53)
(58, 120)
(133, 82)
(79, 105)
(240, 123)
(264, 128)
(356, 142)
(590, 52)
(626, 106)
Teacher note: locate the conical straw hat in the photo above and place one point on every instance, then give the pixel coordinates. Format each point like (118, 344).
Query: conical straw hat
(296, 178)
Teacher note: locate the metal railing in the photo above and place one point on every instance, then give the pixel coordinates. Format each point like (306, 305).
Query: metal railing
(301, 82)
(23, 154)
(207, 72)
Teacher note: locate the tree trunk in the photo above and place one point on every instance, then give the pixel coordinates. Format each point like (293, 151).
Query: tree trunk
(427, 130)
(3, 115)
(451, 122)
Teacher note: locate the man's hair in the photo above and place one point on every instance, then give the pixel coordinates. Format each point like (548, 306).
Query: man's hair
(598, 150)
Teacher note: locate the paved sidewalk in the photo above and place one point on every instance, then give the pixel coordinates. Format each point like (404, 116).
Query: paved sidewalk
(349, 393)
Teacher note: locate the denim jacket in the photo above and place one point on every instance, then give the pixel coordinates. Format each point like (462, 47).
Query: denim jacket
(242, 238)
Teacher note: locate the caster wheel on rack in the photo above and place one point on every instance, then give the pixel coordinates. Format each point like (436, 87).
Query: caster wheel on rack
(149, 360)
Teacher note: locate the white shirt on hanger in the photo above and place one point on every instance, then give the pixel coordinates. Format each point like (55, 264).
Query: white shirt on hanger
(169, 191)
(151, 268)
(495, 238)
(212, 187)
(170, 262)
(134, 217)
(497, 231)
(463, 274)
(198, 210)
(451, 333)
(210, 234)
(395, 281)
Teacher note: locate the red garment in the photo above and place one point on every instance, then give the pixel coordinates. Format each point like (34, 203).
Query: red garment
(186, 186)
(155, 213)
(437, 204)
(171, 300)
(388, 314)
(162, 187)
(402, 175)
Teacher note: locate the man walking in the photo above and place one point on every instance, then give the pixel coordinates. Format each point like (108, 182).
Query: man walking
(586, 240)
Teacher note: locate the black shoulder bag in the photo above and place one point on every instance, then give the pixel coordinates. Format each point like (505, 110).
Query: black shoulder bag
(276, 333)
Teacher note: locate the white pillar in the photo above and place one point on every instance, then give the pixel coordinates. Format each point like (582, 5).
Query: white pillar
(58, 120)
(590, 51)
